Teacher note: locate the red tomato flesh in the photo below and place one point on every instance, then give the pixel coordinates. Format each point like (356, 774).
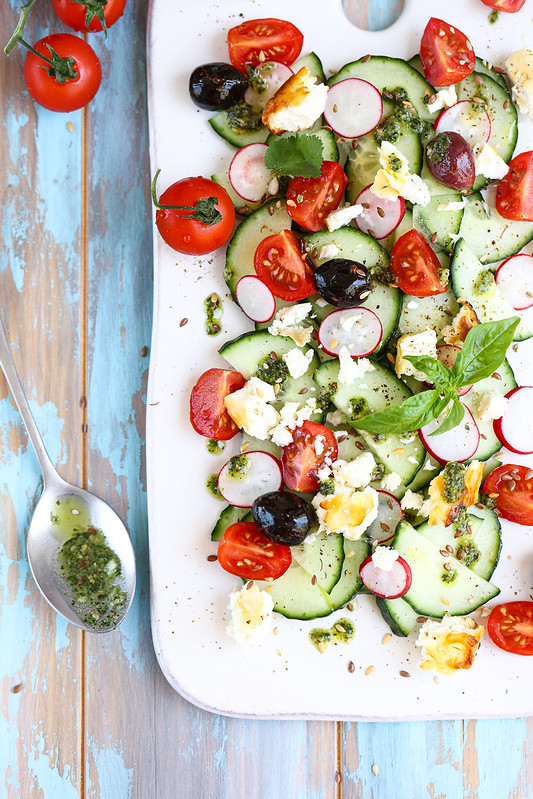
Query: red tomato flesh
(513, 492)
(310, 200)
(300, 461)
(208, 413)
(415, 266)
(446, 53)
(259, 40)
(282, 267)
(510, 626)
(511, 6)
(247, 553)
(514, 195)
(74, 14)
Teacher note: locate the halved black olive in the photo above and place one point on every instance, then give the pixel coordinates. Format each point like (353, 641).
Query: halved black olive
(343, 283)
(283, 517)
(217, 86)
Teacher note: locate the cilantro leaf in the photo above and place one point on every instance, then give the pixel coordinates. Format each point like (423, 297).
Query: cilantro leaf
(299, 155)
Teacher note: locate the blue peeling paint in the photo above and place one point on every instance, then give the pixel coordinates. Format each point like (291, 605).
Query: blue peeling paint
(115, 780)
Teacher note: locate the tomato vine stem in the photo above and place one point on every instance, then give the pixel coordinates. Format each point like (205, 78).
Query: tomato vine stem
(204, 211)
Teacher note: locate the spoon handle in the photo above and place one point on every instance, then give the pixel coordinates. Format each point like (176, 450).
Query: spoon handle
(8, 367)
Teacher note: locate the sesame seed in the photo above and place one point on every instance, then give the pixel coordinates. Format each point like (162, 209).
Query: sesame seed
(369, 670)
(445, 600)
(375, 770)
(386, 638)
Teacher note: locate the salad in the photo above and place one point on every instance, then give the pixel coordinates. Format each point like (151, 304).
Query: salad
(374, 393)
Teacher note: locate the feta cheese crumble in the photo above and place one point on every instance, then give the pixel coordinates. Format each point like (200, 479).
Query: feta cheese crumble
(385, 558)
(390, 482)
(297, 104)
(489, 163)
(343, 216)
(444, 98)
(394, 179)
(250, 410)
(492, 406)
(519, 66)
(411, 500)
(351, 369)
(356, 473)
(423, 343)
(328, 251)
(251, 615)
(287, 323)
(297, 361)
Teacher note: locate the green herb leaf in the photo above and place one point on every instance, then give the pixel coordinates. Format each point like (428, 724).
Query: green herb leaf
(299, 156)
(453, 418)
(483, 351)
(415, 412)
(437, 372)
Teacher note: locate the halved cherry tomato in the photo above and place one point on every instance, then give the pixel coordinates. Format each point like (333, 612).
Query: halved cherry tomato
(209, 416)
(300, 461)
(511, 6)
(260, 40)
(280, 264)
(182, 229)
(447, 55)
(69, 94)
(415, 266)
(512, 491)
(247, 553)
(76, 13)
(510, 626)
(514, 195)
(310, 200)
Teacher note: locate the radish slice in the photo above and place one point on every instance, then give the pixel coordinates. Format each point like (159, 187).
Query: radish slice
(380, 216)
(446, 354)
(389, 584)
(514, 277)
(515, 428)
(248, 174)
(255, 298)
(358, 329)
(353, 107)
(260, 475)
(274, 75)
(463, 118)
(390, 515)
(458, 444)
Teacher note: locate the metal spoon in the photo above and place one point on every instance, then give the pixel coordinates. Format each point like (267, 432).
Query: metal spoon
(72, 505)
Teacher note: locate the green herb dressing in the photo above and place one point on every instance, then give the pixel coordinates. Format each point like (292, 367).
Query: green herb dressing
(212, 486)
(342, 632)
(214, 447)
(213, 315)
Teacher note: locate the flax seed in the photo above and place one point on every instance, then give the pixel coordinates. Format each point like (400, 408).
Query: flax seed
(434, 237)
(365, 58)
(351, 667)
(313, 579)
(184, 321)
(404, 673)
(506, 104)
(350, 607)
(17, 688)
(243, 209)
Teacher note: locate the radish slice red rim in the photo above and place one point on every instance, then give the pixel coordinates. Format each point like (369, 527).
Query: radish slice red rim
(514, 278)
(257, 473)
(386, 583)
(357, 329)
(353, 107)
(248, 174)
(390, 515)
(515, 428)
(255, 299)
(380, 216)
(458, 444)
(273, 75)
(465, 119)
(446, 354)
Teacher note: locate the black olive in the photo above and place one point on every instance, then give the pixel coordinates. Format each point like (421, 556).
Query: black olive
(283, 517)
(217, 86)
(343, 283)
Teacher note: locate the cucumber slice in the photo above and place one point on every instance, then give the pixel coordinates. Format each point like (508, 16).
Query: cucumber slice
(252, 444)
(230, 515)
(323, 559)
(243, 207)
(405, 225)
(296, 597)
(486, 537)
(380, 389)
(430, 594)
(313, 64)
(235, 136)
(398, 614)
(489, 236)
(489, 443)
(482, 67)
(390, 73)
(468, 275)
(250, 233)
(246, 352)
(435, 218)
(429, 469)
(418, 313)
(355, 552)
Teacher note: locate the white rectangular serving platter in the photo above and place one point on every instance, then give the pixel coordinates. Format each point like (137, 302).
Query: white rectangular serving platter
(286, 677)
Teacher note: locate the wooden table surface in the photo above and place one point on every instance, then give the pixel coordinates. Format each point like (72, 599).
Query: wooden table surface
(92, 716)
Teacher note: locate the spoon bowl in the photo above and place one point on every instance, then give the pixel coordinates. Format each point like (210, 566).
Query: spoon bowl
(62, 511)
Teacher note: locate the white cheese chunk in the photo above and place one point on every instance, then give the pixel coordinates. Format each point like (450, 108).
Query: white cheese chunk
(328, 251)
(343, 216)
(450, 644)
(391, 481)
(335, 418)
(352, 369)
(492, 406)
(489, 163)
(287, 323)
(297, 104)
(519, 66)
(298, 361)
(394, 179)
(444, 98)
(385, 558)
(423, 343)
(356, 473)
(250, 410)
(251, 615)
(411, 500)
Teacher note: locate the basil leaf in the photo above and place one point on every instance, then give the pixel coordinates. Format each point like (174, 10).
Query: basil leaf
(437, 372)
(483, 351)
(415, 412)
(453, 418)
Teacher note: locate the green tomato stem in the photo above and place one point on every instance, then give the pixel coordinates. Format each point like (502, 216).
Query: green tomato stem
(204, 211)
(17, 33)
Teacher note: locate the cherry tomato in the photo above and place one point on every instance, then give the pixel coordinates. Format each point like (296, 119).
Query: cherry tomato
(183, 228)
(511, 6)
(208, 413)
(415, 266)
(310, 200)
(247, 553)
(75, 14)
(260, 40)
(510, 626)
(513, 493)
(514, 195)
(300, 460)
(73, 93)
(447, 55)
(280, 264)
